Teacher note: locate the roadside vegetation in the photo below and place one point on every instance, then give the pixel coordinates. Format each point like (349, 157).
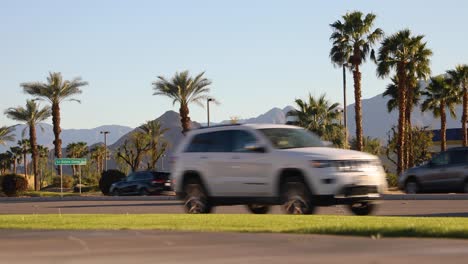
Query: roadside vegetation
(370, 226)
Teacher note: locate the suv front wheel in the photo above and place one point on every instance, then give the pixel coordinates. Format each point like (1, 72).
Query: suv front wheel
(258, 208)
(196, 199)
(362, 208)
(296, 198)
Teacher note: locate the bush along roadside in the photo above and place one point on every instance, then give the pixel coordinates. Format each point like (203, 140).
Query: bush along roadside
(13, 184)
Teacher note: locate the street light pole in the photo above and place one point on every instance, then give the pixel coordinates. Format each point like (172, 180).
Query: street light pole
(105, 148)
(208, 110)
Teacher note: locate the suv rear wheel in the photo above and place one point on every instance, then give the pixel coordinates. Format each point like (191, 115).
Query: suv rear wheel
(296, 198)
(258, 208)
(362, 208)
(196, 200)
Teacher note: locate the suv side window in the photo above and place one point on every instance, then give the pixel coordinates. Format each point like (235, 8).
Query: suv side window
(459, 157)
(219, 141)
(131, 177)
(441, 160)
(242, 139)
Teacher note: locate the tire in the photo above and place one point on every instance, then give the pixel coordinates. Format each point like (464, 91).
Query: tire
(258, 208)
(412, 187)
(115, 192)
(196, 199)
(362, 208)
(143, 192)
(296, 198)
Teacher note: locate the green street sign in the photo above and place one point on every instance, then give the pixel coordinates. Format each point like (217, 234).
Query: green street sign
(70, 161)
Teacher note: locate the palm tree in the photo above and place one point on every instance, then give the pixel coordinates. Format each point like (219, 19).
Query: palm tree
(183, 89)
(97, 155)
(31, 115)
(320, 117)
(25, 146)
(459, 77)
(43, 153)
(55, 91)
(439, 96)
(6, 134)
(353, 39)
(17, 155)
(158, 145)
(409, 57)
(76, 150)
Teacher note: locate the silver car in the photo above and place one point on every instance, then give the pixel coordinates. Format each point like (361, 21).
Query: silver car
(445, 172)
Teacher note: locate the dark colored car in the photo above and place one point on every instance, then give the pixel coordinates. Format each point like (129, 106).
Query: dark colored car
(445, 172)
(142, 183)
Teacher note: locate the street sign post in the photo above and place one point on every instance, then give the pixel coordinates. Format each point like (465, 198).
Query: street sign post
(69, 162)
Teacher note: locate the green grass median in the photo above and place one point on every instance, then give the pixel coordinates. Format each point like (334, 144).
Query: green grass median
(376, 226)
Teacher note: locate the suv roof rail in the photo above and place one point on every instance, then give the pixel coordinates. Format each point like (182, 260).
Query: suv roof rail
(226, 125)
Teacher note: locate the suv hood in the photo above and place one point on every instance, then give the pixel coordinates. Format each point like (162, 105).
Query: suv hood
(330, 153)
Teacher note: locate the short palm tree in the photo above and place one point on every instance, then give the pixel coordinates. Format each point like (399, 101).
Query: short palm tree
(25, 146)
(183, 89)
(409, 57)
(97, 154)
(439, 96)
(158, 144)
(76, 150)
(319, 116)
(31, 115)
(459, 77)
(6, 134)
(55, 91)
(353, 39)
(17, 157)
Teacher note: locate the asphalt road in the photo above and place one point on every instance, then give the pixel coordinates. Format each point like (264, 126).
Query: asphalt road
(182, 247)
(149, 206)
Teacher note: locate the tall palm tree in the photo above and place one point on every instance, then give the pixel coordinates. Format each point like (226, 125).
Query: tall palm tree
(55, 91)
(439, 96)
(158, 144)
(409, 57)
(6, 134)
(459, 77)
(25, 146)
(183, 89)
(319, 116)
(31, 115)
(353, 39)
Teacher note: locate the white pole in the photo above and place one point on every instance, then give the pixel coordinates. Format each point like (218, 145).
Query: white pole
(61, 181)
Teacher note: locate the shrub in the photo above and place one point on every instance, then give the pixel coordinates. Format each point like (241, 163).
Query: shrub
(392, 180)
(67, 181)
(108, 178)
(13, 184)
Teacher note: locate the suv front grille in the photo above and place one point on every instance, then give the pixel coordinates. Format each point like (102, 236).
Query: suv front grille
(353, 165)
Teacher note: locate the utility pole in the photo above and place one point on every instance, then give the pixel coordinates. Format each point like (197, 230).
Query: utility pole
(105, 148)
(208, 109)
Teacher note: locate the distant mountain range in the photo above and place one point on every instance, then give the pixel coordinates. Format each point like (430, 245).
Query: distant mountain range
(90, 136)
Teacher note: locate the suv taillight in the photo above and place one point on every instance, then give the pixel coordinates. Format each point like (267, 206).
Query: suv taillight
(158, 181)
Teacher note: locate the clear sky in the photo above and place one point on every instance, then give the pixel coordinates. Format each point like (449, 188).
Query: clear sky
(259, 54)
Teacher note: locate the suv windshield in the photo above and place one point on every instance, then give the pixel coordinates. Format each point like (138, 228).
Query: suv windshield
(288, 138)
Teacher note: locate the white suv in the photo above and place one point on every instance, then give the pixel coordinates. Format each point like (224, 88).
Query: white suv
(263, 165)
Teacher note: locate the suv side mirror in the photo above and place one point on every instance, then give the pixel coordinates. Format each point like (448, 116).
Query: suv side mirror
(255, 148)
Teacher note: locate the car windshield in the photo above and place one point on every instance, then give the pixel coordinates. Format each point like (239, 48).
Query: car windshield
(288, 138)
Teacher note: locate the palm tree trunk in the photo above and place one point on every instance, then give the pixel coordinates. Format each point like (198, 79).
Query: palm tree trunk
(401, 119)
(184, 117)
(409, 159)
(357, 106)
(14, 165)
(443, 127)
(57, 130)
(465, 116)
(25, 164)
(32, 136)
